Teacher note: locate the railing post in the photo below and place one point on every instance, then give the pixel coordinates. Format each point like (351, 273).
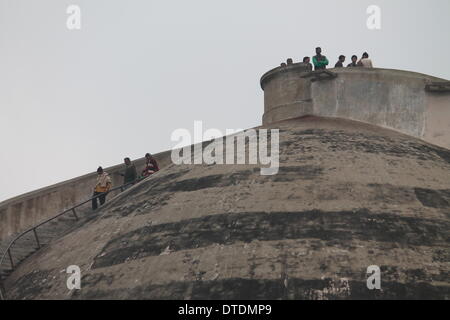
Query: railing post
(75, 213)
(10, 259)
(37, 239)
(2, 291)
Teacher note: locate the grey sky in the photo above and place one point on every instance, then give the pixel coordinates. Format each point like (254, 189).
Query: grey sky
(139, 69)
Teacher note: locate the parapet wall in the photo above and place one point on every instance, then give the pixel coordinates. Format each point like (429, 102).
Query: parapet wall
(389, 98)
(22, 212)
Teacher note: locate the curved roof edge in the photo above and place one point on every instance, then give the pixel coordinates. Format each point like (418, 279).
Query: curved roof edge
(302, 68)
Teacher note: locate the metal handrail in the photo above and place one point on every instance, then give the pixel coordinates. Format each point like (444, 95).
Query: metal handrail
(7, 251)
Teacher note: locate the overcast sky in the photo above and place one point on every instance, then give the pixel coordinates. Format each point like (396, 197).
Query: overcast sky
(71, 100)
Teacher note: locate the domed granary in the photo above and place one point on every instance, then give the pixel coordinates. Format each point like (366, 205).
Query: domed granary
(363, 180)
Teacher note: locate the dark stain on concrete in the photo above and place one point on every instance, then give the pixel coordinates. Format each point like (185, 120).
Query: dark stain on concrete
(433, 198)
(441, 255)
(272, 289)
(285, 174)
(223, 180)
(416, 284)
(293, 173)
(351, 141)
(156, 201)
(202, 183)
(389, 194)
(31, 285)
(91, 280)
(226, 229)
(443, 153)
(158, 182)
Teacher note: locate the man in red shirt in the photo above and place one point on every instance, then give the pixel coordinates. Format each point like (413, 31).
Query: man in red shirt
(151, 166)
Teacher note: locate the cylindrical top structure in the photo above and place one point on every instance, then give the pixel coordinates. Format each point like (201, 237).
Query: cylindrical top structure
(400, 100)
(286, 94)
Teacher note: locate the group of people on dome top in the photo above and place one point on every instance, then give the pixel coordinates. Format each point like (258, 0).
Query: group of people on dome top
(321, 62)
(104, 183)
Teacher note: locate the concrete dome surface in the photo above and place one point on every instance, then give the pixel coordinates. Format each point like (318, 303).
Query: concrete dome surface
(348, 195)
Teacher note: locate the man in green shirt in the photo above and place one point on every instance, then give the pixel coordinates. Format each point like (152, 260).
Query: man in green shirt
(320, 62)
(130, 174)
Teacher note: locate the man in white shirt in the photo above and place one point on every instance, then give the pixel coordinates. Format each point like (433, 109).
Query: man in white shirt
(365, 61)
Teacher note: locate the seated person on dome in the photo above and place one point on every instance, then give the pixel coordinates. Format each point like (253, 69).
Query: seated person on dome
(354, 62)
(307, 61)
(320, 62)
(151, 166)
(365, 61)
(340, 63)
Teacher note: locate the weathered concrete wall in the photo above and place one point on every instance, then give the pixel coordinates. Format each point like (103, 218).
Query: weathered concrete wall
(389, 98)
(22, 212)
(437, 119)
(287, 95)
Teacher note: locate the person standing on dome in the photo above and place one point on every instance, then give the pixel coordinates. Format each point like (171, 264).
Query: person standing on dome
(354, 62)
(340, 63)
(307, 62)
(320, 62)
(365, 61)
(102, 187)
(130, 173)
